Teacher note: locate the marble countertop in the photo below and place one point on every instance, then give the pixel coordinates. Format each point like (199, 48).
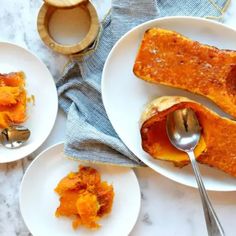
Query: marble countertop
(168, 208)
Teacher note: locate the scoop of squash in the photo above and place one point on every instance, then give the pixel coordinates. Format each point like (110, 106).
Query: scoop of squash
(12, 99)
(216, 147)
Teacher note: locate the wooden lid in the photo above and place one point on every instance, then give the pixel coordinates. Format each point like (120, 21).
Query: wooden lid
(42, 23)
(63, 3)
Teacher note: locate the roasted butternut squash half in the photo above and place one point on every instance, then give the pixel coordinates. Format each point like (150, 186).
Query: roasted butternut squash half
(166, 57)
(217, 146)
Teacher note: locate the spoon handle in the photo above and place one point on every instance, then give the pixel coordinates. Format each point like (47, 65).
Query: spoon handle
(214, 227)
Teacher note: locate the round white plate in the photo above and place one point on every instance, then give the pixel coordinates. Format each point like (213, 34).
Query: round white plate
(39, 82)
(125, 96)
(38, 201)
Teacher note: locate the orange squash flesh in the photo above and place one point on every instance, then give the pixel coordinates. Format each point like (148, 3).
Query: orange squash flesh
(87, 206)
(218, 138)
(14, 79)
(12, 99)
(162, 146)
(84, 197)
(166, 57)
(9, 95)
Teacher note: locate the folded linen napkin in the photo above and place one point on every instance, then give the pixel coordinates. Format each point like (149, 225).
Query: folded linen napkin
(89, 134)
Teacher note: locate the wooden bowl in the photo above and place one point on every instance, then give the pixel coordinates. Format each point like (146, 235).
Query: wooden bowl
(44, 16)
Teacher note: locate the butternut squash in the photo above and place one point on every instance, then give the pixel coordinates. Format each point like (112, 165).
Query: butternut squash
(168, 58)
(84, 197)
(12, 99)
(218, 138)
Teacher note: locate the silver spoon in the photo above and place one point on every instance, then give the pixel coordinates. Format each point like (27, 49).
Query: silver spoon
(14, 136)
(184, 132)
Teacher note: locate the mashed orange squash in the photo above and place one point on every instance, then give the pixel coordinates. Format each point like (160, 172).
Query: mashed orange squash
(12, 99)
(84, 197)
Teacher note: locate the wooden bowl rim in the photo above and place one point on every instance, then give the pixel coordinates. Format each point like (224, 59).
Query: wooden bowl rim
(63, 4)
(68, 49)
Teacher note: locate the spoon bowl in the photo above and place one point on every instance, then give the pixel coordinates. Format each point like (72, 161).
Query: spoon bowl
(14, 136)
(183, 129)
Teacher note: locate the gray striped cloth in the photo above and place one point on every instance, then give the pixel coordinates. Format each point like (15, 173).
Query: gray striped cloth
(89, 134)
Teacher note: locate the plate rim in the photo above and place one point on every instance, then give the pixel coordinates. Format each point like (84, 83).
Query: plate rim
(57, 145)
(19, 157)
(161, 19)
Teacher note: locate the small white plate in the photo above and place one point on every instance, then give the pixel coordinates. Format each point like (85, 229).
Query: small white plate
(38, 201)
(39, 82)
(125, 96)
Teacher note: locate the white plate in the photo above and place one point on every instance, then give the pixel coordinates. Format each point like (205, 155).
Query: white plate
(38, 201)
(39, 82)
(125, 96)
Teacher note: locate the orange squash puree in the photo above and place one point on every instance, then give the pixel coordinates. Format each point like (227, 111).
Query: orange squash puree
(12, 99)
(84, 197)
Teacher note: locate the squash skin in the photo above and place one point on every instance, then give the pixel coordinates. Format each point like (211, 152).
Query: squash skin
(219, 134)
(168, 58)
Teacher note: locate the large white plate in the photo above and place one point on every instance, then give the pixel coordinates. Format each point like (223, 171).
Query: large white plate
(125, 96)
(38, 201)
(39, 82)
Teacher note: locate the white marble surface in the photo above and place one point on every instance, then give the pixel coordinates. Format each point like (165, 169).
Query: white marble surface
(167, 208)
